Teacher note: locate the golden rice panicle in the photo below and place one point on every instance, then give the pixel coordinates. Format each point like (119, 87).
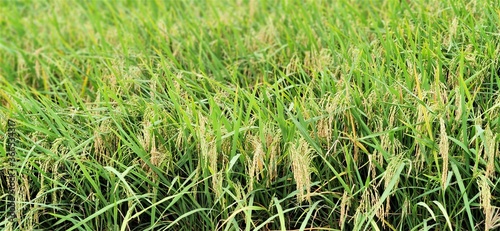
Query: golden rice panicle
(485, 199)
(208, 152)
(443, 150)
(300, 156)
(344, 209)
(370, 201)
(273, 140)
(458, 105)
(105, 142)
(256, 162)
(258, 156)
(420, 148)
(147, 139)
(489, 152)
(202, 136)
(390, 172)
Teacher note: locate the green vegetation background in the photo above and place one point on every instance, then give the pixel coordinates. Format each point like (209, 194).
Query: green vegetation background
(251, 114)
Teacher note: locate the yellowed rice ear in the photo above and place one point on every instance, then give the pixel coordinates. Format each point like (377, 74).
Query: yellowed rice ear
(300, 156)
(345, 204)
(147, 140)
(443, 151)
(103, 139)
(458, 104)
(209, 155)
(451, 32)
(256, 162)
(485, 199)
(391, 169)
(202, 137)
(489, 152)
(274, 150)
(422, 114)
(369, 200)
(258, 156)
(265, 155)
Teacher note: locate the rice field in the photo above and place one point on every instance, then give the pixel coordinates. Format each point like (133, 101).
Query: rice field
(249, 115)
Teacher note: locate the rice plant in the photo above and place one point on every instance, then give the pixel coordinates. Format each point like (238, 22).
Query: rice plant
(249, 115)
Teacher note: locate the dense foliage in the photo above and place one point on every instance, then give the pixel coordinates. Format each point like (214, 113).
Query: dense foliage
(251, 114)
